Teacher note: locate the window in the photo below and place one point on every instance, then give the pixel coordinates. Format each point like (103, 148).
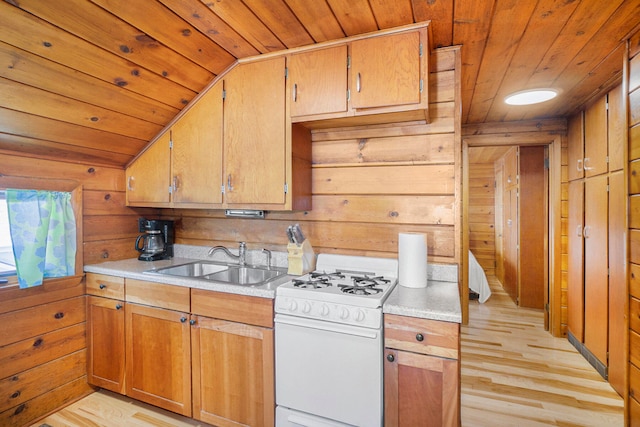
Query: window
(7, 262)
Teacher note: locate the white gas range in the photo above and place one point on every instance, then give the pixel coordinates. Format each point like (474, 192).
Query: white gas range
(329, 343)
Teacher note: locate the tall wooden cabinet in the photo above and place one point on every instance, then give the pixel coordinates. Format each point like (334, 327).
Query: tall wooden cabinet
(595, 286)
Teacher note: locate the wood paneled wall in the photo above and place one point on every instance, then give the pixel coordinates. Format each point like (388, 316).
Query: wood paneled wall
(369, 184)
(482, 236)
(109, 227)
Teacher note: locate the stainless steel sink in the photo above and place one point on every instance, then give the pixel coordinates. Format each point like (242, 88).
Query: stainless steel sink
(244, 275)
(193, 269)
(215, 272)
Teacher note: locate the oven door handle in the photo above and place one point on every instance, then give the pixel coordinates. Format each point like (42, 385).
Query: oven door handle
(326, 326)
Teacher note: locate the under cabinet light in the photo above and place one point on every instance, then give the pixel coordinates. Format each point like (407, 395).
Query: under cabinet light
(530, 96)
(244, 213)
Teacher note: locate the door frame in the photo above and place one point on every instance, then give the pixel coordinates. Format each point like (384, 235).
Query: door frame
(554, 256)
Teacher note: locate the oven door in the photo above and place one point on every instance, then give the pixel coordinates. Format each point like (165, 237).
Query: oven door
(329, 370)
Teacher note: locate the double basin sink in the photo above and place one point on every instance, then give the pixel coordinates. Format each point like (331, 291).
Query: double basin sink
(218, 272)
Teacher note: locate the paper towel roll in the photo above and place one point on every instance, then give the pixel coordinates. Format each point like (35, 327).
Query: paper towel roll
(412, 260)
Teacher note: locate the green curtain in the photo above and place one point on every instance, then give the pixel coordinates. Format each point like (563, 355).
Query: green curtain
(43, 234)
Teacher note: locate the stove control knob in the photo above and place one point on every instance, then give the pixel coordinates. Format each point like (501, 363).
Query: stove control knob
(345, 314)
(360, 316)
(306, 308)
(324, 310)
(293, 306)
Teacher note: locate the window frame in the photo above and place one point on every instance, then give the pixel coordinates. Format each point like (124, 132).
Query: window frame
(75, 189)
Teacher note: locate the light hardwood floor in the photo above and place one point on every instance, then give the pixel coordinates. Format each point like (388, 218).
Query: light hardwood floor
(106, 409)
(514, 373)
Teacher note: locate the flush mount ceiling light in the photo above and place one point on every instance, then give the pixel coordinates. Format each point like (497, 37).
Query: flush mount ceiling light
(530, 96)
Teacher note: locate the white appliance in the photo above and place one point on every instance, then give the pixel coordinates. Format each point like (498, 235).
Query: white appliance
(329, 343)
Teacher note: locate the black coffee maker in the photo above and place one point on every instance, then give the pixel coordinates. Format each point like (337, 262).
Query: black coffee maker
(157, 241)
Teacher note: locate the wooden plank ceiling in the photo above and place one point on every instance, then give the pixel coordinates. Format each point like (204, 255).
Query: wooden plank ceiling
(94, 80)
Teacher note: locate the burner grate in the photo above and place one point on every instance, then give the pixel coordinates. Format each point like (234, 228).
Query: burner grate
(313, 283)
(357, 289)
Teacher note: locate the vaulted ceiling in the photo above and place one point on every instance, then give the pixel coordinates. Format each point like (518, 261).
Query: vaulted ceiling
(95, 80)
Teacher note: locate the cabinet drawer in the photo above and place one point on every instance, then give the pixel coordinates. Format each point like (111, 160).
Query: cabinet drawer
(158, 295)
(236, 308)
(102, 285)
(422, 336)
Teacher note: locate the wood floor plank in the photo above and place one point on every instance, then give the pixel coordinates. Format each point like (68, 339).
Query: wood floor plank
(514, 373)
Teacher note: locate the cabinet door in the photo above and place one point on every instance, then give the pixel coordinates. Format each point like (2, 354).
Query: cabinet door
(575, 278)
(233, 373)
(385, 71)
(197, 153)
(105, 343)
(617, 281)
(254, 133)
(420, 390)
(318, 81)
(596, 293)
(617, 127)
(575, 149)
(148, 175)
(158, 367)
(595, 138)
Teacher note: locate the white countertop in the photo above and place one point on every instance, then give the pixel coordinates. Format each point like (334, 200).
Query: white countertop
(438, 301)
(134, 269)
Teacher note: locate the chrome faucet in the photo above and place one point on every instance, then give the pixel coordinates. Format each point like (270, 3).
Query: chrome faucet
(242, 252)
(268, 252)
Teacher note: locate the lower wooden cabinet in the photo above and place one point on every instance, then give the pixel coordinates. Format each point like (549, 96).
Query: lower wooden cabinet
(105, 330)
(232, 373)
(421, 372)
(198, 353)
(158, 347)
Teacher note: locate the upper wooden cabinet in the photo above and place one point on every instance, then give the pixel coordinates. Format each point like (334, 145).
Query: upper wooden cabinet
(318, 81)
(149, 175)
(255, 133)
(382, 75)
(575, 149)
(385, 71)
(597, 137)
(196, 167)
(183, 167)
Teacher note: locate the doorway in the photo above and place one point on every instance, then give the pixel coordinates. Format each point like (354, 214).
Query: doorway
(550, 265)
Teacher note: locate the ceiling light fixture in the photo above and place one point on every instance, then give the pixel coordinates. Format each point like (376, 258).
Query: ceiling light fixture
(530, 96)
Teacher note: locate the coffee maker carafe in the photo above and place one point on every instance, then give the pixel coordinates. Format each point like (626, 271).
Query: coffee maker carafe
(157, 241)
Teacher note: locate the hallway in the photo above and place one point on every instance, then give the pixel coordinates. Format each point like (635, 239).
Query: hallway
(514, 373)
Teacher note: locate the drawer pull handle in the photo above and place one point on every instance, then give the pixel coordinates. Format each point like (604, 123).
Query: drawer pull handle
(420, 337)
(390, 357)
(102, 286)
(15, 394)
(19, 409)
(38, 342)
(59, 315)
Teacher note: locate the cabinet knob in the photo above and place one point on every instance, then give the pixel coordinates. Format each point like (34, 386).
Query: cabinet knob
(183, 319)
(192, 322)
(390, 357)
(118, 306)
(102, 286)
(419, 337)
